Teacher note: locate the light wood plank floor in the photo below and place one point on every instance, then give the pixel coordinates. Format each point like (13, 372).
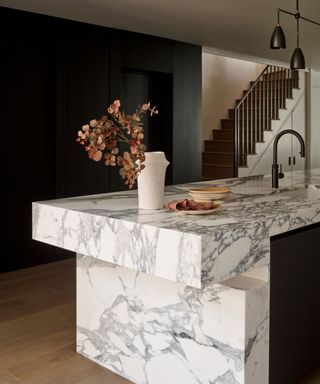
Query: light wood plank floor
(37, 330)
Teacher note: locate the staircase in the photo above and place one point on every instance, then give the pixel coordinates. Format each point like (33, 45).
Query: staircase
(248, 122)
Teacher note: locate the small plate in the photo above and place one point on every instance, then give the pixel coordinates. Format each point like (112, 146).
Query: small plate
(197, 212)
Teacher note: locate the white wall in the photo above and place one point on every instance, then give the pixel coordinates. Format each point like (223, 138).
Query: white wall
(223, 80)
(314, 121)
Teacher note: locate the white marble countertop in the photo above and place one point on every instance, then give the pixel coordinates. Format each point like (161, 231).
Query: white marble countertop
(194, 250)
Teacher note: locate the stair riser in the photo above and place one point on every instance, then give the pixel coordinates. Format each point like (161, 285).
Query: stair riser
(254, 114)
(227, 124)
(281, 83)
(259, 104)
(222, 134)
(273, 89)
(258, 98)
(217, 158)
(256, 119)
(217, 146)
(280, 75)
(275, 93)
(217, 172)
(252, 127)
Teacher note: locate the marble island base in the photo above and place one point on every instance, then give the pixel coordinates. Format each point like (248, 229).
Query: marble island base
(154, 331)
(168, 299)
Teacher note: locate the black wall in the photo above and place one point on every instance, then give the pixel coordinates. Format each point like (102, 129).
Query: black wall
(55, 76)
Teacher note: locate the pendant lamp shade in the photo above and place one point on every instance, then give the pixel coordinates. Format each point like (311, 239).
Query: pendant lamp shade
(297, 59)
(278, 38)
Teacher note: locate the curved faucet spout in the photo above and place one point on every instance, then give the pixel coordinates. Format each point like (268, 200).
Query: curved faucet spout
(275, 166)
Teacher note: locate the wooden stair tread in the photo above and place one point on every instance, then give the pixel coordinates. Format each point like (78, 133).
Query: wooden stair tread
(266, 98)
(273, 80)
(272, 90)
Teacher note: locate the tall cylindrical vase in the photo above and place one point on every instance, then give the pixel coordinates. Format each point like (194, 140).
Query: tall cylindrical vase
(151, 181)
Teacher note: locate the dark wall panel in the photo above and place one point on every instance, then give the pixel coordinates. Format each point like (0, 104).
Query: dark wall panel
(55, 76)
(84, 66)
(28, 121)
(187, 134)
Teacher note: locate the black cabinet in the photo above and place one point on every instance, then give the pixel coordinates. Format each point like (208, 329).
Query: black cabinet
(58, 74)
(82, 94)
(28, 124)
(294, 305)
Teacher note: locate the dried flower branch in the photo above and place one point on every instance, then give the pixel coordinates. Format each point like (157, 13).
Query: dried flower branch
(101, 139)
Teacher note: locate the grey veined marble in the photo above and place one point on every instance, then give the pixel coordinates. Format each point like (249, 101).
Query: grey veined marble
(194, 250)
(166, 298)
(153, 331)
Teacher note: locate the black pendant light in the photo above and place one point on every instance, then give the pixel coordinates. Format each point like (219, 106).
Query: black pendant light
(297, 59)
(278, 39)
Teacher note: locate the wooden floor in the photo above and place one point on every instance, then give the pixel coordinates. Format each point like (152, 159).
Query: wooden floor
(37, 330)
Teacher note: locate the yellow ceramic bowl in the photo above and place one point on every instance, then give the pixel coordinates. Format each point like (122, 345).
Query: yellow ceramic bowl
(209, 194)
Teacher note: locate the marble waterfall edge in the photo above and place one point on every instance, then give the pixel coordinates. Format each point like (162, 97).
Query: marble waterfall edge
(189, 250)
(160, 292)
(153, 331)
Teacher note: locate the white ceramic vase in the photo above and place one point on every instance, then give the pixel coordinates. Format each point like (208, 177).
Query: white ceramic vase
(151, 181)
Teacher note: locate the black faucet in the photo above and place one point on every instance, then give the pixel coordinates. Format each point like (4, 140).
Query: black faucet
(275, 166)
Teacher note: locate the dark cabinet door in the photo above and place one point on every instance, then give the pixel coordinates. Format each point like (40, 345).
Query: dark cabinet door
(294, 305)
(56, 75)
(28, 121)
(82, 94)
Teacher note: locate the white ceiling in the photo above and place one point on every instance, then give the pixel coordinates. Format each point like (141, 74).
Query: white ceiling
(240, 26)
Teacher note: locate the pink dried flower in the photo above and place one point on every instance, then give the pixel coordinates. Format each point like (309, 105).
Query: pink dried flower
(93, 123)
(97, 156)
(101, 138)
(114, 107)
(146, 106)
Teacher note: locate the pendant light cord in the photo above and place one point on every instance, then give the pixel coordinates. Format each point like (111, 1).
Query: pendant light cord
(298, 25)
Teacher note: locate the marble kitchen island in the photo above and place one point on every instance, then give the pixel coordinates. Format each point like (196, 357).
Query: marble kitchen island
(167, 298)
